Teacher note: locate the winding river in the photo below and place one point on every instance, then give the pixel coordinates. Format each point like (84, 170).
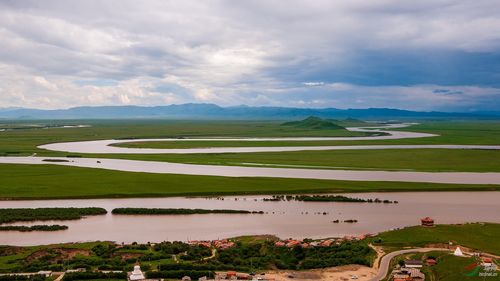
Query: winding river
(104, 146)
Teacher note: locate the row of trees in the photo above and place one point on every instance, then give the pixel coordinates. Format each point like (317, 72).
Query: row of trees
(23, 228)
(93, 275)
(42, 214)
(325, 198)
(170, 211)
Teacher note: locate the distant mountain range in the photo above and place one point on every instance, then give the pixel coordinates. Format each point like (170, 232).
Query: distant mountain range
(212, 111)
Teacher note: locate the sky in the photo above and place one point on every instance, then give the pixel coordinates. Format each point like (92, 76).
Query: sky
(416, 55)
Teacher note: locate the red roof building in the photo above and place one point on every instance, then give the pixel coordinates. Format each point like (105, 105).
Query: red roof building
(293, 243)
(280, 244)
(326, 243)
(427, 221)
(431, 262)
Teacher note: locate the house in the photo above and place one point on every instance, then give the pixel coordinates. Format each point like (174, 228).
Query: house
(76, 270)
(223, 244)
(293, 243)
(431, 262)
(408, 274)
(201, 243)
(416, 274)
(220, 275)
(326, 243)
(231, 275)
(413, 263)
(487, 262)
(242, 276)
(45, 273)
(427, 221)
(280, 244)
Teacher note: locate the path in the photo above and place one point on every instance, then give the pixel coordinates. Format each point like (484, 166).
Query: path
(386, 260)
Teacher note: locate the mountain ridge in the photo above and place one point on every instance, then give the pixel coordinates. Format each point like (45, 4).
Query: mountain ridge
(213, 111)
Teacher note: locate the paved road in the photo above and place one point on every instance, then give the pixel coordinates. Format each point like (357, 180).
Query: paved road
(386, 260)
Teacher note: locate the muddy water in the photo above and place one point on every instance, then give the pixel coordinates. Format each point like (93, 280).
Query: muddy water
(235, 171)
(284, 219)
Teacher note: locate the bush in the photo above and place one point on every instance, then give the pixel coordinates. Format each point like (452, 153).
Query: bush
(93, 275)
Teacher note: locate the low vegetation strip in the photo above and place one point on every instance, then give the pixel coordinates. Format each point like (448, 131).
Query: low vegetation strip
(326, 198)
(93, 276)
(23, 228)
(159, 211)
(44, 214)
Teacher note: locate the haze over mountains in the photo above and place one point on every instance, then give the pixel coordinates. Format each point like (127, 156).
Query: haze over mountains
(212, 111)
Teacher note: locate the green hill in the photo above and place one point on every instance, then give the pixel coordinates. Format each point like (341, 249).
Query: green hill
(314, 123)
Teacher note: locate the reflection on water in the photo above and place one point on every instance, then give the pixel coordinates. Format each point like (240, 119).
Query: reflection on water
(284, 219)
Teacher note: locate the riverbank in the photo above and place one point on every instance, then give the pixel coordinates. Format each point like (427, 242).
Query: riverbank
(296, 259)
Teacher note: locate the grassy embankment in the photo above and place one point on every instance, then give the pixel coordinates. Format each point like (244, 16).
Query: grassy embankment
(47, 181)
(477, 236)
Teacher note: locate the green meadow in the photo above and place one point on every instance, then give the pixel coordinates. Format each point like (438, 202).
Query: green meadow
(479, 236)
(49, 181)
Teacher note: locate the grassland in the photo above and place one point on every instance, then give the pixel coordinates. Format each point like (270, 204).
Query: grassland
(47, 181)
(478, 236)
(433, 160)
(482, 237)
(24, 142)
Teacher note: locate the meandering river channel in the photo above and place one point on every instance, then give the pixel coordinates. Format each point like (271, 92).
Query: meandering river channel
(104, 146)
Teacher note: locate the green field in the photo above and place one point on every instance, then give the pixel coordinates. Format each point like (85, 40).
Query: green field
(22, 181)
(434, 160)
(452, 268)
(482, 237)
(24, 142)
(49, 181)
(479, 236)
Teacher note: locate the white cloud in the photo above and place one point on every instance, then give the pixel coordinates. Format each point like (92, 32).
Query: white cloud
(250, 52)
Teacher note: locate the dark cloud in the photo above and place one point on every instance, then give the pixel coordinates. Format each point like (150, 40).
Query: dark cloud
(428, 55)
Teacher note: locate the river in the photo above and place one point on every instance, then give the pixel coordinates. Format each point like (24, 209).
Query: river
(284, 219)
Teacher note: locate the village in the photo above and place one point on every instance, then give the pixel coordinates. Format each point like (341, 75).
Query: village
(404, 266)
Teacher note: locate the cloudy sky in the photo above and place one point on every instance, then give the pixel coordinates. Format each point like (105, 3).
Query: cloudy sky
(419, 55)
